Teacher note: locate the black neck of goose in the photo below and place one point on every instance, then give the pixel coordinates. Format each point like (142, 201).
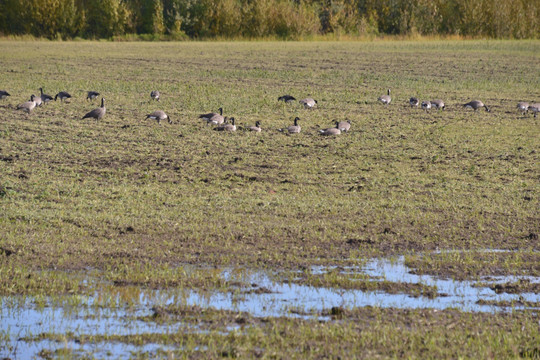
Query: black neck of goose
(220, 111)
(257, 123)
(102, 102)
(232, 120)
(296, 121)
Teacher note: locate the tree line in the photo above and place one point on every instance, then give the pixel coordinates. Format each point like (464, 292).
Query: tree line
(287, 19)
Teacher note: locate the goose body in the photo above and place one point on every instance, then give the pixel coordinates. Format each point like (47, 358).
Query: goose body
(293, 129)
(4, 94)
(227, 127)
(385, 99)
(213, 118)
(91, 95)
(523, 107)
(414, 102)
(476, 104)
(159, 115)
(37, 100)
(28, 106)
(154, 95)
(344, 126)
(439, 104)
(97, 113)
(44, 97)
(535, 108)
(62, 95)
(308, 103)
(256, 128)
(426, 105)
(287, 98)
(331, 131)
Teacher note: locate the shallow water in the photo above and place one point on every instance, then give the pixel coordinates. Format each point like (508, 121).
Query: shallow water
(117, 312)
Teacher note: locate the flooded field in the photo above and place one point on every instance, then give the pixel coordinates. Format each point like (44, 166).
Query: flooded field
(125, 311)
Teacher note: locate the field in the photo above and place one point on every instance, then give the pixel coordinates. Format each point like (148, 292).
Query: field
(125, 206)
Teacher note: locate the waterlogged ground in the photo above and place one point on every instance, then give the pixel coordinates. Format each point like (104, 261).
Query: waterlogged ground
(413, 235)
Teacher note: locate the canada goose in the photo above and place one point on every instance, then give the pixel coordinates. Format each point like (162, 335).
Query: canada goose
(331, 131)
(159, 115)
(523, 107)
(4, 94)
(29, 105)
(535, 108)
(308, 103)
(439, 104)
(227, 127)
(287, 98)
(293, 129)
(414, 101)
(213, 118)
(426, 105)
(385, 99)
(256, 128)
(44, 97)
(97, 113)
(154, 95)
(91, 95)
(37, 100)
(62, 95)
(476, 104)
(344, 125)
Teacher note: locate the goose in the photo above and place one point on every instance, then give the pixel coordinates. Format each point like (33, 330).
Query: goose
(535, 108)
(227, 127)
(308, 103)
(385, 99)
(159, 115)
(29, 105)
(37, 100)
(331, 131)
(523, 107)
(476, 104)
(4, 94)
(344, 126)
(91, 95)
(256, 128)
(213, 118)
(44, 97)
(287, 98)
(426, 105)
(414, 101)
(62, 95)
(439, 104)
(293, 129)
(97, 113)
(154, 95)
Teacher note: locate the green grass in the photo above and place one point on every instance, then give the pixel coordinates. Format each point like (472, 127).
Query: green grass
(136, 201)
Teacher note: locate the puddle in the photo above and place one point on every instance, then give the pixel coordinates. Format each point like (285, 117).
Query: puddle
(118, 312)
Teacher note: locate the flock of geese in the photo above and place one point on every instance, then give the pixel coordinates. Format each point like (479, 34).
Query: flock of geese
(224, 123)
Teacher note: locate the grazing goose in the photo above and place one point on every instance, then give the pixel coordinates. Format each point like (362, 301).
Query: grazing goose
(439, 104)
(91, 95)
(154, 95)
(227, 127)
(308, 103)
(29, 105)
(256, 128)
(385, 99)
(476, 104)
(293, 129)
(62, 95)
(535, 108)
(4, 94)
(344, 125)
(331, 131)
(414, 101)
(287, 98)
(213, 118)
(426, 105)
(159, 115)
(523, 107)
(44, 97)
(97, 113)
